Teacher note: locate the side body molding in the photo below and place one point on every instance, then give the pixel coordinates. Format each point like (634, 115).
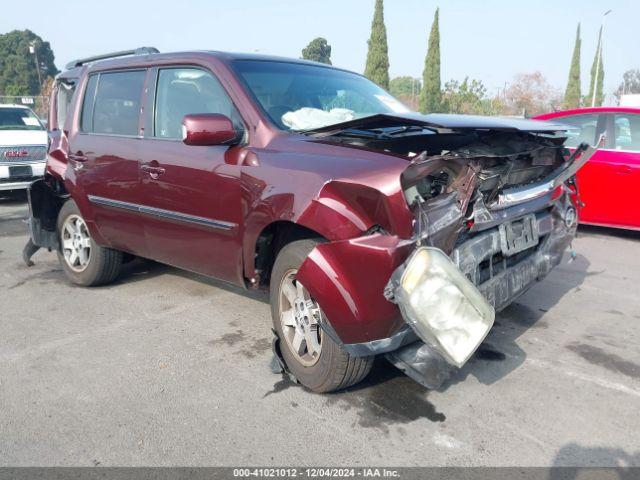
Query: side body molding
(348, 278)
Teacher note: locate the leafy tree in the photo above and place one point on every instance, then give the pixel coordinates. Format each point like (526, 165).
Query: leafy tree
(406, 89)
(630, 84)
(318, 50)
(469, 97)
(18, 73)
(431, 96)
(600, 80)
(377, 67)
(572, 94)
(531, 94)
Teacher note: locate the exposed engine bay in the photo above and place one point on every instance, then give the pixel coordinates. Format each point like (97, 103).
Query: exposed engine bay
(461, 180)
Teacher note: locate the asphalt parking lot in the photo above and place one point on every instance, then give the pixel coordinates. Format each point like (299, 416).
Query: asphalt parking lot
(170, 368)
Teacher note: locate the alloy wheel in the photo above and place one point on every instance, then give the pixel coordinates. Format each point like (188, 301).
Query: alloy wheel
(300, 319)
(76, 243)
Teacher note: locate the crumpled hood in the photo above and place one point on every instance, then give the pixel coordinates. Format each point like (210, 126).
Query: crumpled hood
(441, 121)
(11, 138)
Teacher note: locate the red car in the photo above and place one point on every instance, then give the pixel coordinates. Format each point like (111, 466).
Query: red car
(376, 230)
(610, 181)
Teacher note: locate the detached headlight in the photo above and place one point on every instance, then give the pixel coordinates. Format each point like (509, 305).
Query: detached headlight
(444, 308)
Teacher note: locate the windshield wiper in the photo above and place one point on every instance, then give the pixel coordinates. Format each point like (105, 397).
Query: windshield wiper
(347, 132)
(377, 133)
(392, 132)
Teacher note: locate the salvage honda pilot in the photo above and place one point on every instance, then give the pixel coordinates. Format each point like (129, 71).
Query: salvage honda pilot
(375, 229)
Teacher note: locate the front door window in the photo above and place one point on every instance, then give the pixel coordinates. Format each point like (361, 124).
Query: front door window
(183, 91)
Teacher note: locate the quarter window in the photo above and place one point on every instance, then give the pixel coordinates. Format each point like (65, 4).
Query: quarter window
(63, 101)
(182, 91)
(112, 103)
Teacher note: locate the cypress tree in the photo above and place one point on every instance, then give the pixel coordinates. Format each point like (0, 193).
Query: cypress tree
(431, 95)
(599, 82)
(377, 68)
(572, 94)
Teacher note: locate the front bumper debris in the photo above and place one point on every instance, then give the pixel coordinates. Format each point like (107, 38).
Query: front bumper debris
(500, 279)
(423, 364)
(441, 304)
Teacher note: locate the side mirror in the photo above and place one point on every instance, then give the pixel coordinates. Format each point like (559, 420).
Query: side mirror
(208, 129)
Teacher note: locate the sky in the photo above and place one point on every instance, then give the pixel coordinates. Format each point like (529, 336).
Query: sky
(490, 40)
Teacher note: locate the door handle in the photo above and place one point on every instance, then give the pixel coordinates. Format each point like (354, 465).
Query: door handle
(154, 171)
(623, 169)
(77, 157)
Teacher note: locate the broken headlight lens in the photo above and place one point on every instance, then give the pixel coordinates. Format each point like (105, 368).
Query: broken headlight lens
(444, 308)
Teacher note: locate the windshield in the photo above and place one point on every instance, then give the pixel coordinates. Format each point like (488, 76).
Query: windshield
(301, 97)
(19, 119)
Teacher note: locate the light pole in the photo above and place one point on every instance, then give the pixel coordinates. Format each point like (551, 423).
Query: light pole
(33, 51)
(599, 53)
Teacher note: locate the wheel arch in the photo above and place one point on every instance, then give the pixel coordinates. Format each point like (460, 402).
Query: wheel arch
(268, 243)
(340, 210)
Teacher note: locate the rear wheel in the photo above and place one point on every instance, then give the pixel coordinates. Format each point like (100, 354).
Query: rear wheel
(84, 261)
(318, 362)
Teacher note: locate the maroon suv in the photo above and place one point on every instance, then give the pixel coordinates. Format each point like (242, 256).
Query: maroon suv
(375, 229)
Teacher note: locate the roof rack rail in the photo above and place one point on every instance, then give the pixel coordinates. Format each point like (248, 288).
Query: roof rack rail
(104, 56)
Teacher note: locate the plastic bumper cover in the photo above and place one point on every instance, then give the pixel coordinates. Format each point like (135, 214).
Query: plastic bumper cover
(421, 361)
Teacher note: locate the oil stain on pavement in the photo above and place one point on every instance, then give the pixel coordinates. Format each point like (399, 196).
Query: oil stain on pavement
(258, 347)
(229, 339)
(240, 340)
(386, 397)
(602, 358)
(42, 278)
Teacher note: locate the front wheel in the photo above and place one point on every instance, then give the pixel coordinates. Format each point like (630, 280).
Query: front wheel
(84, 261)
(318, 362)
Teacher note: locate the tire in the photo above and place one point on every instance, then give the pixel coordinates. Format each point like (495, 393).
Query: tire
(333, 368)
(98, 265)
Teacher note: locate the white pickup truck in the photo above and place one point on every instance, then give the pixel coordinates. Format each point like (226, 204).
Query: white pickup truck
(23, 147)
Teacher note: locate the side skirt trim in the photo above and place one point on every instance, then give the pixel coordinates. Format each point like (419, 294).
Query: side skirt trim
(158, 212)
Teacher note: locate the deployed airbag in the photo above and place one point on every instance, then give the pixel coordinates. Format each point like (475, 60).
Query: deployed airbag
(307, 118)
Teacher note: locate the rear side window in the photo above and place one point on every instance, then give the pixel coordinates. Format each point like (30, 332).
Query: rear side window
(586, 130)
(112, 103)
(627, 132)
(87, 106)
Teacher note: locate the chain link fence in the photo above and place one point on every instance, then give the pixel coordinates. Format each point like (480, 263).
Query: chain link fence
(39, 104)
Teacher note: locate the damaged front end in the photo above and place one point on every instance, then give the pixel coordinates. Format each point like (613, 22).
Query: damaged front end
(505, 225)
(494, 209)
